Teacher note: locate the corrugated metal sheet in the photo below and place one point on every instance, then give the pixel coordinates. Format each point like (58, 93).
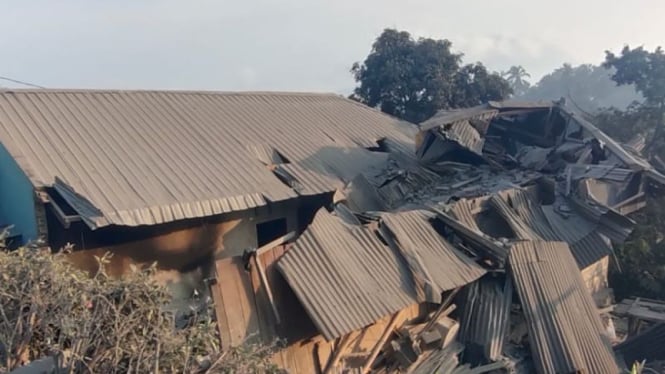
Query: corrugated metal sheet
(513, 104)
(565, 331)
(605, 172)
(649, 346)
(610, 223)
(586, 244)
(465, 135)
(147, 157)
(475, 238)
(445, 117)
(464, 210)
(345, 277)
(485, 318)
(434, 261)
(629, 160)
(590, 249)
(519, 226)
(528, 208)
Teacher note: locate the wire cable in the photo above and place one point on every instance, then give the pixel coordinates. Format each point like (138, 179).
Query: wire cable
(21, 82)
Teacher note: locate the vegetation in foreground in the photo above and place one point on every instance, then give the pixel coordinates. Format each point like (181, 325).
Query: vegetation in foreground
(104, 325)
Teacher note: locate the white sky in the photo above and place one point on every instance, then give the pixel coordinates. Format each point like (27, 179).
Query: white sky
(287, 45)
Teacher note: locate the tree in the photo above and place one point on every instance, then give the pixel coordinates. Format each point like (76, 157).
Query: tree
(590, 87)
(645, 70)
(515, 77)
(412, 79)
(642, 256)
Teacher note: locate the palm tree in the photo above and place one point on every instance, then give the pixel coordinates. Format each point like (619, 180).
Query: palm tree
(515, 77)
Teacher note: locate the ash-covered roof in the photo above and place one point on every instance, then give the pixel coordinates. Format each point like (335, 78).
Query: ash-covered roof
(149, 157)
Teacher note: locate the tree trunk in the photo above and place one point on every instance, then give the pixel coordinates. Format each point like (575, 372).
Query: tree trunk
(648, 151)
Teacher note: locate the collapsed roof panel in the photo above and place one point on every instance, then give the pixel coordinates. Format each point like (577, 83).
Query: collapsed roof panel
(485, 318)
(434, 262)
(565, 331)
(345, 277)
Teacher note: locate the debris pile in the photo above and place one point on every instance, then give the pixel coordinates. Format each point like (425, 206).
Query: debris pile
(485, 250)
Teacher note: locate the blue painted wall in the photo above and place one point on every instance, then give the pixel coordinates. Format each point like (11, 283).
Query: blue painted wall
(17, 205)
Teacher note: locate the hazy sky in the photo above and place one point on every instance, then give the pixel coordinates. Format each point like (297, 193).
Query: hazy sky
(288, 45)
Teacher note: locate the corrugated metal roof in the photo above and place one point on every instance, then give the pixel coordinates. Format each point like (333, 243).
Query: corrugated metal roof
(565, 331)
(590, 249)
(345, 277)
(649, 346)
(606, 172)
(147, 157)
(631, 161)
(445, 117)
(521, 229)
(434, 261)
(485, 318)
(585, 243)
(528, 208)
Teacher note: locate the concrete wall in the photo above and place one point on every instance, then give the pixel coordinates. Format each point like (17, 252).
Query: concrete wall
(17, 198)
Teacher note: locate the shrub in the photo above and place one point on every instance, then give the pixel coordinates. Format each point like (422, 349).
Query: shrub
(105, 325)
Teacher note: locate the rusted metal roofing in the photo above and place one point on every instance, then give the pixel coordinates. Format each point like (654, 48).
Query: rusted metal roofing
(147, 157)
(345, 277)
(485, 318)
(649, 346)
(565, 331)
(433, 261)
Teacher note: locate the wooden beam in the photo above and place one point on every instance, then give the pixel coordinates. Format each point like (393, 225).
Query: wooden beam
(381, 342)
(339, 352)
(266, 286)
(443, 308)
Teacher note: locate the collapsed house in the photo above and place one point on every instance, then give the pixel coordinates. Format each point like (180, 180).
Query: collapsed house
(476, 241)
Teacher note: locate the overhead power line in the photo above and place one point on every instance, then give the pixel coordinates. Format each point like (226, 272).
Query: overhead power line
(21, 82)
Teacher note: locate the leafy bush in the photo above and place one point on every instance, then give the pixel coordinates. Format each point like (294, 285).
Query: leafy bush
(104, 325)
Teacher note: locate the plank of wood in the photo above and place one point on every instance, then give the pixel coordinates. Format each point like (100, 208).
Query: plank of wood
(228, 287)
(382, 341)
(337, 355)
(266, 287)
(220, 312)
(265, 314)
(247, 303)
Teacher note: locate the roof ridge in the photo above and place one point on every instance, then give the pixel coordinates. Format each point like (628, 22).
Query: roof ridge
(177, 91)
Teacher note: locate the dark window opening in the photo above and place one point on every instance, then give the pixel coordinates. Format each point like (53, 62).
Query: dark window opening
(270, 230)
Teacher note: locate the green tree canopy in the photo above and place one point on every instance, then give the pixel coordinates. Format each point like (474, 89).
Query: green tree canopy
(588, 86)
(645, 70)
(412, 79)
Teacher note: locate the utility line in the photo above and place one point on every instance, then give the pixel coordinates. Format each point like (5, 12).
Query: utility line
(21, 82)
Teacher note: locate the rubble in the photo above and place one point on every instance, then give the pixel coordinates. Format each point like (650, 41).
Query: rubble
(476, 241)
(495, 233)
